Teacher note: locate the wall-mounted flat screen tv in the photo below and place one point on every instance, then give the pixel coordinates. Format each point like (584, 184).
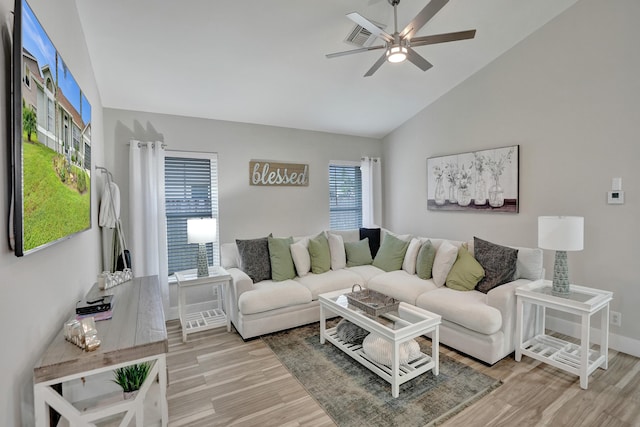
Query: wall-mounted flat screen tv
(51, 127)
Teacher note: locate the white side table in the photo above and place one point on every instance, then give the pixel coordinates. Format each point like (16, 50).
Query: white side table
(207, 319)
(583, 302)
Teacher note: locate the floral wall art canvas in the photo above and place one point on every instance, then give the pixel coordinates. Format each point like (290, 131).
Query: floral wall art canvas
(485, 180)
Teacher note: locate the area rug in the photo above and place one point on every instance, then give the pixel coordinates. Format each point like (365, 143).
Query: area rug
(354, 396)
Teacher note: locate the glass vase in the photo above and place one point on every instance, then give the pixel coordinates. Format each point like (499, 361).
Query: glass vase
(439, 195)
(452, 193)
(480, 196)
(464, 196)
(496, 193)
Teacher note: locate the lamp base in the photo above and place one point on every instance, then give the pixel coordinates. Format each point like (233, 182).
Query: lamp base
(560, 285)
(203, 263)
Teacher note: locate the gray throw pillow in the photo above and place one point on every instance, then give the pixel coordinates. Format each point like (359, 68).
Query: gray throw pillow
(350, 332)
(255, 259)
(499, 263)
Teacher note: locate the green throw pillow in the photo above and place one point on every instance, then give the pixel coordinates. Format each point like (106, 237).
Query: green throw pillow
(424, 262)
(465, 273)
(319, 253)
(358, 253)
(391, 253)
(282, 267)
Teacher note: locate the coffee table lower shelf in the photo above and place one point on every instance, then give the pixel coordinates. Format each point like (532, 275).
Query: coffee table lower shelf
(406, 372)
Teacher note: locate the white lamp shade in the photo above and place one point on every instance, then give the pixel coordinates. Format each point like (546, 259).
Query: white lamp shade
(201, 230)
(561, 233)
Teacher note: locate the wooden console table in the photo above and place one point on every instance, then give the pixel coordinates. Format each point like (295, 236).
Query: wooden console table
(136, 333)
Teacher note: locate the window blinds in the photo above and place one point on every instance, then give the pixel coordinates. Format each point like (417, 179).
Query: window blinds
(345, 197)
(191, 191)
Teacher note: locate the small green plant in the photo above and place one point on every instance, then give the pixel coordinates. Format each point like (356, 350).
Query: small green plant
(131, 377)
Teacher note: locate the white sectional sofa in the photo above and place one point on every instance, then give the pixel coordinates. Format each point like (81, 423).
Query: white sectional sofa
(479, 324)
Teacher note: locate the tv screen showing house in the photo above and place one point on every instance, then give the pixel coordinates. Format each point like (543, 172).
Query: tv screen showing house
(52, 141)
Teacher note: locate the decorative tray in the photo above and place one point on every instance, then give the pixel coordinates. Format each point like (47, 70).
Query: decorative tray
(371, 302)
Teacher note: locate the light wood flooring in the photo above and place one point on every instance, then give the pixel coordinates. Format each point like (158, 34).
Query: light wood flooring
(217, 379)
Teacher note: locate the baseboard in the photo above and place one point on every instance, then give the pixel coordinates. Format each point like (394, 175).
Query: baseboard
(616, 342)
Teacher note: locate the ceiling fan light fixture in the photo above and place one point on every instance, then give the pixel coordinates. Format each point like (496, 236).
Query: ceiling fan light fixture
(396, 54)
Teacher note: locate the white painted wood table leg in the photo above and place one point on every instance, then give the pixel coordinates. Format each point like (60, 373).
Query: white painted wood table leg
(322, 324)
(604, 335)
(519, 328)
(584, 356)
(395, 369)
(41, 406)
(435, 350)
(163, 382)
(227, 303)
(181, 313)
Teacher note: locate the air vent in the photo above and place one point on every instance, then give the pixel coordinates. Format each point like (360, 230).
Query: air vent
(362, 37)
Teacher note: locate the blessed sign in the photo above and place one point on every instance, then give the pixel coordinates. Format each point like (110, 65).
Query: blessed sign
(278, 174)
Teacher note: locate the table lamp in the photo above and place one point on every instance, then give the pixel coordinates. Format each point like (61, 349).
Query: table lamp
(562, 234)
(201, 231)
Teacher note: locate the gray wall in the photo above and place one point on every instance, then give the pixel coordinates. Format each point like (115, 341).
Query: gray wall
(568, 95)
(39, 291)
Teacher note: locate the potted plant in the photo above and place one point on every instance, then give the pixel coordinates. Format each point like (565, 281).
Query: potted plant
(131, 377)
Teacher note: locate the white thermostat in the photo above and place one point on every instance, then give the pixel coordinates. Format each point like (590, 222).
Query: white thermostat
(615, 197)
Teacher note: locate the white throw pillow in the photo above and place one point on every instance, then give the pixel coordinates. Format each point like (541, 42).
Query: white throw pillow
(379, 350)
(301, 257)
(410, 257)
(338, 254)
(445, 257)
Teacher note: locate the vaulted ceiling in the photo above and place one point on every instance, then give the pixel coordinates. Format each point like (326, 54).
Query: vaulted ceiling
(263, 62)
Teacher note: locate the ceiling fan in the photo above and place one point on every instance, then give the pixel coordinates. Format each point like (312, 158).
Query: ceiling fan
(398, 46)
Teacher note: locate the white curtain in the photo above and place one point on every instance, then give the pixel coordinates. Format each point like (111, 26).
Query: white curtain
(371, 171)
(148, 225)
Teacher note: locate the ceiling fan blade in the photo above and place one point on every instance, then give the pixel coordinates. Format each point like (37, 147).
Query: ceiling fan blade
(370, 26)
(349, 52)
(443, 38)
(422, 18)
(377, 65)
(418, 60)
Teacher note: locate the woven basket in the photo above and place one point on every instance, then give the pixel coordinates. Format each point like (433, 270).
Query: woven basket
(371, 302)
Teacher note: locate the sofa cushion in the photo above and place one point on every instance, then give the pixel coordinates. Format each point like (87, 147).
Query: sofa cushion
(319, 253)
(336, 251)
(499, 263)
(269, 295)
(366, 272)
(468, 309)
(445, 257)
(358, 253)
(400, 285)
(331, 280)
(373, 234)
(424, 260)
(229, 257)
(254, 258)
(301, 258)
(282, 267)
(465, 273)
(391, 253)
(411, 256)
(529, 264)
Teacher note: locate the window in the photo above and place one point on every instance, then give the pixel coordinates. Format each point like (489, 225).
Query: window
(191, 191)
(345, 196)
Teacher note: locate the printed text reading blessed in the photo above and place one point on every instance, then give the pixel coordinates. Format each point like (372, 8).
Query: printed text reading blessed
(272, 173)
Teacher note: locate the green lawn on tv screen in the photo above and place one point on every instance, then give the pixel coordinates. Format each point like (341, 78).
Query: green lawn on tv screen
(52, 209)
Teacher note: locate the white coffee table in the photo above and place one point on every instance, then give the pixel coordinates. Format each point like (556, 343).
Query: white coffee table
(406, 323)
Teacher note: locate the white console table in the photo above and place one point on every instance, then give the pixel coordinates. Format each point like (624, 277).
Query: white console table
(136, 333)
(583, 302)
(207, 319)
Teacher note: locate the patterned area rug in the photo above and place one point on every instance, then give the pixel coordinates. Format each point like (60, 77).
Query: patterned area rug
(354, 396)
